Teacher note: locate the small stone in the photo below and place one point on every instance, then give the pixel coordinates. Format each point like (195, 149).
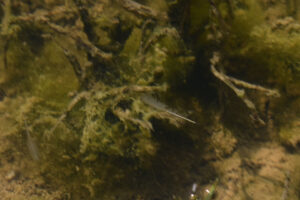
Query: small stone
(11, 175)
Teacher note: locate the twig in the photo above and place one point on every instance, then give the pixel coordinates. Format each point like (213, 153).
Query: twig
(139, 9)
(159, 34)
(75, 34)
(228, 79)
(144, 28)
(71, 105)
(130, 89)
(83, 42)
(44, 15)
(268, 92)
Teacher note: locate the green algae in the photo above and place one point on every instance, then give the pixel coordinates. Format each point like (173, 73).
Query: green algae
(79, 89)
(110, 127)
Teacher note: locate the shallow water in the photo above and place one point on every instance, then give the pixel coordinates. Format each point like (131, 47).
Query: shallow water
(149, 100)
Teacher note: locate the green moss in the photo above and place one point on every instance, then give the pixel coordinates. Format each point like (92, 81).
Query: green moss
(199, 12)
(45, 73)
(258, 52)
(158, 5)
(133, 43)
(248, 15)
(55, 76)
(19, 61)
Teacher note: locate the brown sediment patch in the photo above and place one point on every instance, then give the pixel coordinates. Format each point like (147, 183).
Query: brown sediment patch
(258, 171)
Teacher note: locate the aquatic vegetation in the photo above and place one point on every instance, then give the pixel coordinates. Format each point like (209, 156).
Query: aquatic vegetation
(81, 88)
(84, 73)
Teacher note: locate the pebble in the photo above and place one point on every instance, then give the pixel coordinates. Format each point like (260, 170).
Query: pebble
(11, 175)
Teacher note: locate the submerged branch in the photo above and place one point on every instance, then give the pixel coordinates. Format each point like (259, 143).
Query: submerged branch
(139, 9)
(77, 35)
(268, 92)
(82, 41)
(231, 82)
(228, 80)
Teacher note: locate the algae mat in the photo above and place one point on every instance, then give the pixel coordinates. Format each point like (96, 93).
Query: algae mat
(255, 170)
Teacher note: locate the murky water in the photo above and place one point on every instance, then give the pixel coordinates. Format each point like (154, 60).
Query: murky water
(149, 100)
